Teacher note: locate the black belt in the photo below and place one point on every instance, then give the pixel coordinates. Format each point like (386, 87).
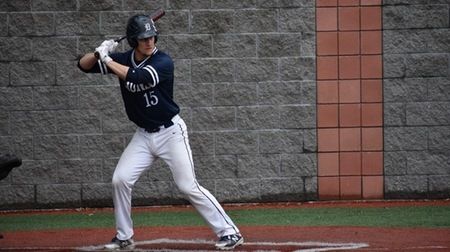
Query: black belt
(154, 130)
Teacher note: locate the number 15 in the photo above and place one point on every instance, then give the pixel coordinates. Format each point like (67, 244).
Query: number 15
(150, 99)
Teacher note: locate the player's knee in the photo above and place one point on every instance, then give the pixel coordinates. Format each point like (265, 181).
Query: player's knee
(118, 180)
(187, 188)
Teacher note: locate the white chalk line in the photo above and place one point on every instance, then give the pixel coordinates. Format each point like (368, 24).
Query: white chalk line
(322, 246)
(431, 247)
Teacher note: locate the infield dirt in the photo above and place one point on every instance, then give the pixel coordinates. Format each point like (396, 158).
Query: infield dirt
(258, 238)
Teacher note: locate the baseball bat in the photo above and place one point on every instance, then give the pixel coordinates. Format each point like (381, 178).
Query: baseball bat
(157, 14)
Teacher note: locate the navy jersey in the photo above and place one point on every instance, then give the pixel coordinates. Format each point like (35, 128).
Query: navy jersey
(148, 89)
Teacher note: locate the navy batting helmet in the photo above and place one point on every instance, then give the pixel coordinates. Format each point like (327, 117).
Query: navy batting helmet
(140, 27)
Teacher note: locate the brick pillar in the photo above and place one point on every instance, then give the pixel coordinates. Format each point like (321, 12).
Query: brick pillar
(349, 99)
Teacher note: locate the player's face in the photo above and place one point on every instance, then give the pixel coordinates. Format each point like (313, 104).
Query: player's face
(145, 47)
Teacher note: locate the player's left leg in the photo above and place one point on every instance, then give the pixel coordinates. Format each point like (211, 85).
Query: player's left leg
(176, 152)
(135, 159)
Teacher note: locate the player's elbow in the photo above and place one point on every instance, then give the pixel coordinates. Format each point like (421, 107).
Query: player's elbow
(82, 68)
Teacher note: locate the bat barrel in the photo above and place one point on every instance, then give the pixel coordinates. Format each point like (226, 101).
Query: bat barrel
(157, 14)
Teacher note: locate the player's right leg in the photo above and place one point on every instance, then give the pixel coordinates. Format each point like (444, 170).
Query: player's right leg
(135, 159)
(176, 152)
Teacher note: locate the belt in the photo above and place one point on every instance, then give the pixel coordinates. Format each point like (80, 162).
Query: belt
(154, 130)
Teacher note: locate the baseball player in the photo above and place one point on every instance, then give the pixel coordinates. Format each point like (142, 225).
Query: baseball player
(7, 163)
(146, 77)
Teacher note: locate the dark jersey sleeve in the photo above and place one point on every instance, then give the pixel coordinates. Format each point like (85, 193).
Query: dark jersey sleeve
(101, 67)
(157, 71)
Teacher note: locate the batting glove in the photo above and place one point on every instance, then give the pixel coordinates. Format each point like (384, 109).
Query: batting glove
(103, 51)
(110, 44)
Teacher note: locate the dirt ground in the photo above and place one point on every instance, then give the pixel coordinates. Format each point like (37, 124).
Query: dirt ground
(257, 238)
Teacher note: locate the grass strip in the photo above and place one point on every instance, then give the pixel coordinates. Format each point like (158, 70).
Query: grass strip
(418, 216)
(428, 216)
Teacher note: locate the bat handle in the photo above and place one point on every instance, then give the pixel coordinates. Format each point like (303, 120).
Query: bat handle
(120, 39)
(97, 54)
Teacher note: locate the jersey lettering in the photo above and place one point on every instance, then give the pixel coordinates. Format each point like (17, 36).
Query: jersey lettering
(137, 87)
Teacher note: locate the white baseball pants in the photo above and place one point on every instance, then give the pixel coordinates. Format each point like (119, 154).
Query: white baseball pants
(172, 145)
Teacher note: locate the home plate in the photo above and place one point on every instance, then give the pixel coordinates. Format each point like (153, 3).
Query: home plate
(208, 245)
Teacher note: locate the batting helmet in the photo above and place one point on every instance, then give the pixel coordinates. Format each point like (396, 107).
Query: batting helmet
(140, 27)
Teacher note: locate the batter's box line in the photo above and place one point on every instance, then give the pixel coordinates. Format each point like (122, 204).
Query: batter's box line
(319, 246)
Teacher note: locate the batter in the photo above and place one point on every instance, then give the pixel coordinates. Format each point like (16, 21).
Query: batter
(146, 77)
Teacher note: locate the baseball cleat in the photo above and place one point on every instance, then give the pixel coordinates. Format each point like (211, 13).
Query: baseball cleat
(229, 242)
(116, 244)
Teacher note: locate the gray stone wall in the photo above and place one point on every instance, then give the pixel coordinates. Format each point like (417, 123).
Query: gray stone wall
(245, 79)
(417, 98)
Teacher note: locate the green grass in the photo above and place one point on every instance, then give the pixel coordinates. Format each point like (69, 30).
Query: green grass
(371, 217)
(418, 216)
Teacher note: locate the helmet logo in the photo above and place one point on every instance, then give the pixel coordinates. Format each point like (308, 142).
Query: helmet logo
(148, 27)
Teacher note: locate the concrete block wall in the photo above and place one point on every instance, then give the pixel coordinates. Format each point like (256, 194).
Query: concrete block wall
(245, 79)
(416, 44)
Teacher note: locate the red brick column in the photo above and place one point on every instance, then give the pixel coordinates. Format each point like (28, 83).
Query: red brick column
(349, 99)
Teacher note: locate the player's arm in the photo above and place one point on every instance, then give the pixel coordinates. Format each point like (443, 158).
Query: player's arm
(87, 62)
(119, 69)
(151, 74)
(90, 64)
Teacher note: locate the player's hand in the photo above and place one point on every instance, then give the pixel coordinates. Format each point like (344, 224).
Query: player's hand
(103, 52)
(110, 44)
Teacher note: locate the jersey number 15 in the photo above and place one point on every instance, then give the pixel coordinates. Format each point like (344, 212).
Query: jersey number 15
(150, 99)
